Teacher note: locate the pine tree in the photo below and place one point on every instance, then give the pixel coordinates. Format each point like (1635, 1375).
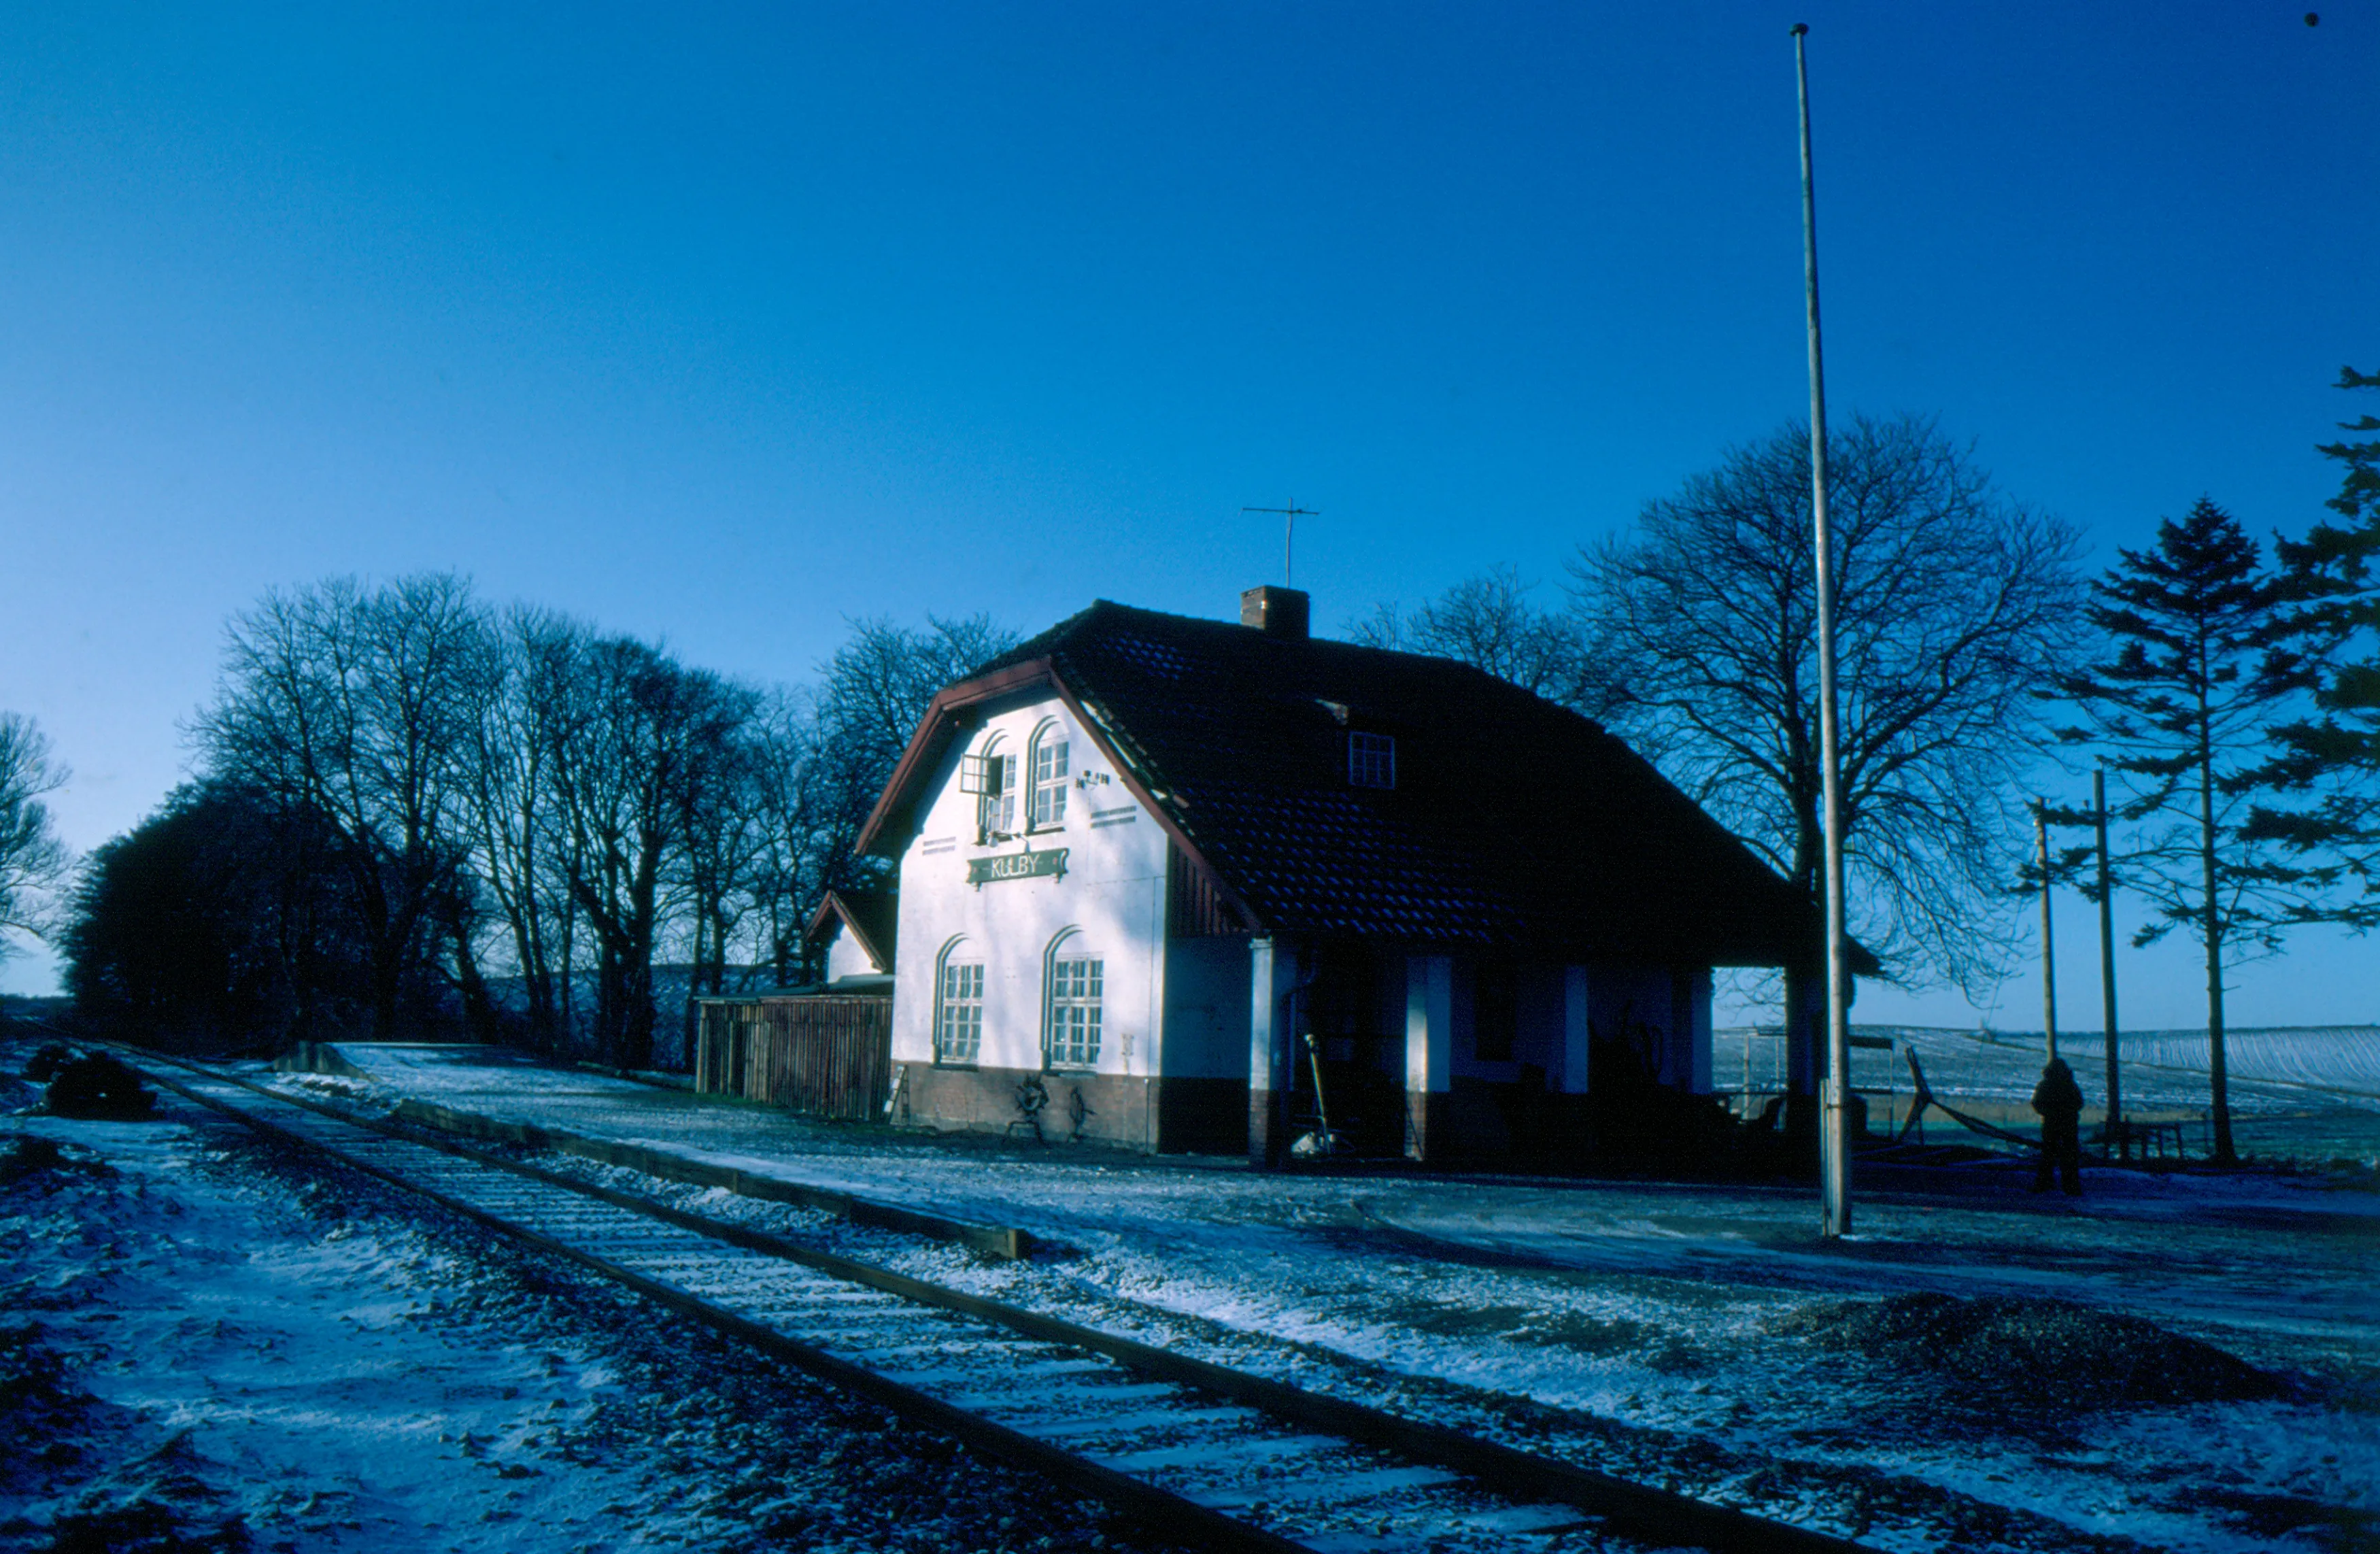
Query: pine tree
(2206, 661)
(2336, 754)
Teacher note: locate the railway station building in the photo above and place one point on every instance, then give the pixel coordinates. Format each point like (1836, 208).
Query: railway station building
(1178, 884)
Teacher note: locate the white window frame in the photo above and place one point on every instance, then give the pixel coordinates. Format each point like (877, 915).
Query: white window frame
(995, 805)
(1371, 759)
(1075, 991)
(958, 1007)
(1046, 771)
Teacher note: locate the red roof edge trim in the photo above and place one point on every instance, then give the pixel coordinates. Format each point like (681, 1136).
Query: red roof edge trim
(932, 728)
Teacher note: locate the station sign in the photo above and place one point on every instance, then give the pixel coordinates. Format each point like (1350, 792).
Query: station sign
(1047, 864)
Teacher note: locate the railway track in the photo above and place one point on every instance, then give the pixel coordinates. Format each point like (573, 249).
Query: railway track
(1199, 1453)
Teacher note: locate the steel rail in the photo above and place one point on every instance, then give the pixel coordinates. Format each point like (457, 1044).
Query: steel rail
(1634, 1509)
(1158, 1509)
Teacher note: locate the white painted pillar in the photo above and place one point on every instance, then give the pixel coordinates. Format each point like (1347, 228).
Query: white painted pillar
(1573, 1031)
(1430, 1053)
(1272, 987)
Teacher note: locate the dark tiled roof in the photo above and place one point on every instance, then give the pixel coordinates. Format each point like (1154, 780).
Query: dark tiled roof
(1514, 823)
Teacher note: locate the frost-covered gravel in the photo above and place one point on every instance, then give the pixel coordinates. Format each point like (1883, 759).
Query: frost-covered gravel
(205, 1343)
(1657, 1329)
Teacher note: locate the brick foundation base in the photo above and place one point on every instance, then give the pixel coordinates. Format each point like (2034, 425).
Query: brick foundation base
(1154, 1115)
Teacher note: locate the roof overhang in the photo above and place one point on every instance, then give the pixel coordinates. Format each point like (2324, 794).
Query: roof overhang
(933, 735)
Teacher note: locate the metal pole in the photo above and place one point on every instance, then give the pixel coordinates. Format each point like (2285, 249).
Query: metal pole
(1289, 515)
(2048, 944)
(1834, 1143)
(2107, 958)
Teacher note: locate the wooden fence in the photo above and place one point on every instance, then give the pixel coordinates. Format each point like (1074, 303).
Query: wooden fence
(823, 1056)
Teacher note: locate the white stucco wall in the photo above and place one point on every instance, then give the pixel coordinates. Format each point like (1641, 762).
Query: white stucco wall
(1113, 891)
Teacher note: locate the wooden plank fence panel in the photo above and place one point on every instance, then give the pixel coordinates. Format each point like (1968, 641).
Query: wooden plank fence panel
(824, 1055)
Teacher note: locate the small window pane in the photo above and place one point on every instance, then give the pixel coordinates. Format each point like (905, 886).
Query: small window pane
(959, 1026)
(1050, 769)
(1076, 987)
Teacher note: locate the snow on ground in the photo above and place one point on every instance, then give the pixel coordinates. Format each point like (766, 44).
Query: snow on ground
(206, 1346)
(1670, 1323)
(2345, 1059)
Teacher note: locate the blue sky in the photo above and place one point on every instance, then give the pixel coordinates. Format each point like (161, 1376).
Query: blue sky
(721, 324)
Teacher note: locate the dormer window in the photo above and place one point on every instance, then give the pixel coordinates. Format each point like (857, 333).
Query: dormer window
(1372, 759)
(1050, 769)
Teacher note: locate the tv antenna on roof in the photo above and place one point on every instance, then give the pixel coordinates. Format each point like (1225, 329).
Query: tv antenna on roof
(1289, 515)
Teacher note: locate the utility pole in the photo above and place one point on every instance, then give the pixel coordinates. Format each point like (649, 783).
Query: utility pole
(2048, 958)
(2115, 1128)
(1289, 515)
(1834, 1140)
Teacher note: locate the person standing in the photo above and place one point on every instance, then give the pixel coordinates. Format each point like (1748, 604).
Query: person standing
(2058, 1100)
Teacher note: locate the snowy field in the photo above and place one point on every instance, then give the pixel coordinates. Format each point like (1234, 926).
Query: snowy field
(1690, 1333)
(2160, 1068)
(2308, 1093)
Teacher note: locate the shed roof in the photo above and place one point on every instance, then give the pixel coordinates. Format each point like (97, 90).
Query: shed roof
(1514, 824)
(871, 916)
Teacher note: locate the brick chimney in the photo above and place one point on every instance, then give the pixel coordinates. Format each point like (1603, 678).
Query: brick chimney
(1275, 612)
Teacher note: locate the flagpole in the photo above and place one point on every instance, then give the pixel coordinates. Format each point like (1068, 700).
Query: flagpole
(2114, 1130)
(2049, 943)
(1834, 1142)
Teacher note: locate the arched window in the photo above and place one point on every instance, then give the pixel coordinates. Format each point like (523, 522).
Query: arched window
(1049, 767)
(958, 1004)
(1070, 1028)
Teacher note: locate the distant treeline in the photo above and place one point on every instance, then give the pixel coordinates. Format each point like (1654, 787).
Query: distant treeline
(418, 814)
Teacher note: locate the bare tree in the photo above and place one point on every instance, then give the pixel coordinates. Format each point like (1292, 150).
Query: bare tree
(508, 807)
(788, 817)
(877, 688)
(1955, 604)
(1488, 623)
(518, 788)
(350, 702)
(632, 732)
(724, 840)
(32, 860)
